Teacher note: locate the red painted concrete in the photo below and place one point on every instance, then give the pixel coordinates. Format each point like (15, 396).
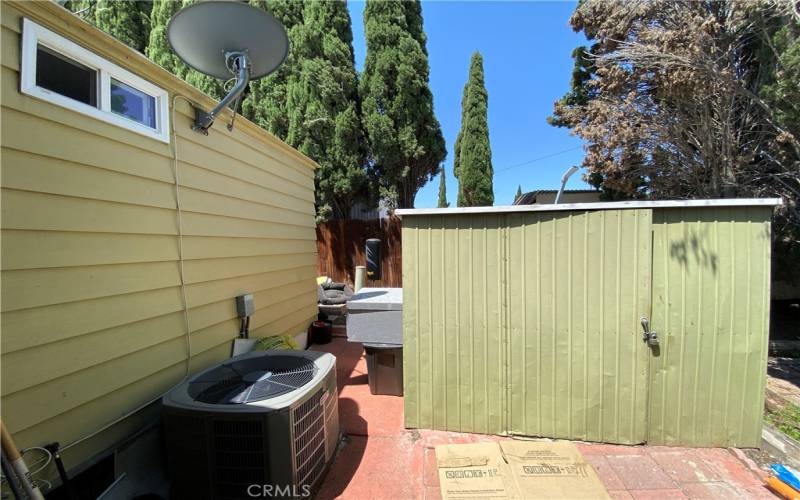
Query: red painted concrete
(640, 472)
(685, 466)
(606, 473)
(381, 460)
(657, 494)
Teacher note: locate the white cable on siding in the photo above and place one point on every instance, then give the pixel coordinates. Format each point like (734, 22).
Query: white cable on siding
(174, 142)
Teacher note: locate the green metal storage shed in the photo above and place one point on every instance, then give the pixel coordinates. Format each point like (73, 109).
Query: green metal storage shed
(528, 320)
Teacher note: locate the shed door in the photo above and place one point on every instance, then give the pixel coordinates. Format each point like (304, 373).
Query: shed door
(710, 308)
(577, 366)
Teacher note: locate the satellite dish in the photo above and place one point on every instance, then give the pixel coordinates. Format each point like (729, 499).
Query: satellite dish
(227, 39)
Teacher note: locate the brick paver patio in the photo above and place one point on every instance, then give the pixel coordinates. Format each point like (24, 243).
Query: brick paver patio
(382, 460)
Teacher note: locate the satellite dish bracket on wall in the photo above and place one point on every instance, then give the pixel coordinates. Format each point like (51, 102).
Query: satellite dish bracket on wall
(224, 39)
(239, 64)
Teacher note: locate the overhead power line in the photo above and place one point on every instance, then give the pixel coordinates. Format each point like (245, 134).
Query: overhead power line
(538, 159)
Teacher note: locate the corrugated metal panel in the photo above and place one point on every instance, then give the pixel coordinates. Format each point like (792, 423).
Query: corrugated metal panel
(578, 284)
(527, 323)
(454, 360)
(711, 307)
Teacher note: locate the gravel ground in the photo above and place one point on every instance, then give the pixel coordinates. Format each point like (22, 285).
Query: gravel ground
(783, 380)
(762, 458)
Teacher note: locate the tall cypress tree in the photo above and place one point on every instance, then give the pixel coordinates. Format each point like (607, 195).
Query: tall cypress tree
(474, 155)
(158, 49)
(322, 104)
(457, 146)
(405, 136)
(266, 104)
(208, 84)
(128, 22)
(443, 203)
(519, 193)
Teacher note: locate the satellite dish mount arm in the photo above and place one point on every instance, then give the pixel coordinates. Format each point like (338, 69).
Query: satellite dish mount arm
(239, 64)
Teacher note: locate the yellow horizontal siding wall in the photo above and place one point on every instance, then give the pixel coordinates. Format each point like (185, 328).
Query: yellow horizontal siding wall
(91, 314)
(711, 278)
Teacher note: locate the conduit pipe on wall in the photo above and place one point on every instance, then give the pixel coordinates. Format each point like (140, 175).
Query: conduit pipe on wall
(564, 178)
(361, 272)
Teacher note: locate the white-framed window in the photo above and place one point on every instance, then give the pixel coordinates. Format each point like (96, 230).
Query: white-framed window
(59, 71)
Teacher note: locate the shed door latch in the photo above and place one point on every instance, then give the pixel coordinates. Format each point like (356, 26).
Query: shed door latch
(648, 336)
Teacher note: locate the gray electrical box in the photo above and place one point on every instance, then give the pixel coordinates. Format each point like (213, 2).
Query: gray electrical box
(244, 305)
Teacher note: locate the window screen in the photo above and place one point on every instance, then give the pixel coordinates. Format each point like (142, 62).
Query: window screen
(64, 76)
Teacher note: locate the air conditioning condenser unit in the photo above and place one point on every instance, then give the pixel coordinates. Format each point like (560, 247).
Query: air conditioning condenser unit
(260, 424)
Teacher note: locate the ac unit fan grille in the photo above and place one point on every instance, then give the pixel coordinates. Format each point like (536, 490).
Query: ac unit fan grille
(238, 456)
(253, 379)
(309, 439)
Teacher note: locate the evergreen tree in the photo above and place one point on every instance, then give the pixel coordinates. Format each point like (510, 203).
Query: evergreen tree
(457, 146)
(82, 8)
(473, 152)
(405, 136)
(581, 91)
(211, 86)
(128, 22)
(266, 104)
(324, 119)
(443, 203)
(158, 49)
(519, 193)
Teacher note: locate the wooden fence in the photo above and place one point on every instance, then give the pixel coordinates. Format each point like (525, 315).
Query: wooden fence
(340, 245)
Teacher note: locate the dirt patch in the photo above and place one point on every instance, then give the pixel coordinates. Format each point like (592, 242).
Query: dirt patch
(781, 409)
(762, 458)
(785, 419)
(782, 405)
(783, 381)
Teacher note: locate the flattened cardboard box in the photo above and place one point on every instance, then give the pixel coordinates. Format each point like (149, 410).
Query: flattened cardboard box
(475, 470)
(543, 469)
(516, 470)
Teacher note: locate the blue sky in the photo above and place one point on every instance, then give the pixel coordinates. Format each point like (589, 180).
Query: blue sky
(526, 48)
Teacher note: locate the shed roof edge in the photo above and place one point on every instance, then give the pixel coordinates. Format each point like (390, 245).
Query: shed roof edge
(613, 205)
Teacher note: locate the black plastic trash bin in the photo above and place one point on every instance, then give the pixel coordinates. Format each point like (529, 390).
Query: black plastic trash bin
(385, 368)
(321, 332)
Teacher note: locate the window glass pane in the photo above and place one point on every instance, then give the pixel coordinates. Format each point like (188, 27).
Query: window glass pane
(64, 76)
(133, 104)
